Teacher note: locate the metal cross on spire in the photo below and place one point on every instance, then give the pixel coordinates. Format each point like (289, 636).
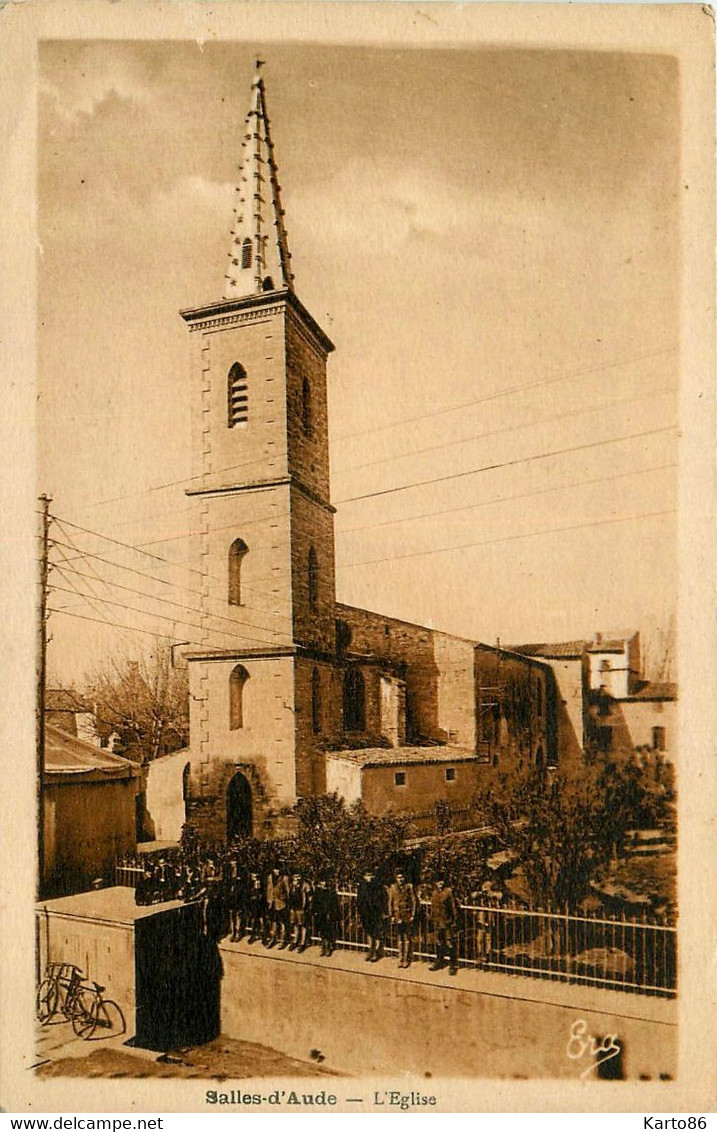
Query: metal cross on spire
(259, 258)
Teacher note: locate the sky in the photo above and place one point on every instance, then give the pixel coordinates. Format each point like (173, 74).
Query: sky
(490, 238)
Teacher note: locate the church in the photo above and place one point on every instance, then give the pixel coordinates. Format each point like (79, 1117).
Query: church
(307, 695)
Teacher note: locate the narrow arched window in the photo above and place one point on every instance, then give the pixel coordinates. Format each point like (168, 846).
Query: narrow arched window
(237, 550)
(186, 775)
(316, 701)
(313, 581)
(354, 700)
(539, 697)
(306, 418)
(246, 253)
(237, 680)
(237, 396)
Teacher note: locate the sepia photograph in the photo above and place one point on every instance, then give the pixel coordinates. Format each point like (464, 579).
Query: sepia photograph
(364, 367)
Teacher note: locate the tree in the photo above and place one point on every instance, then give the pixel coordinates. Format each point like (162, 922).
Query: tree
(564, 832)
(332, 837)
(144, 700)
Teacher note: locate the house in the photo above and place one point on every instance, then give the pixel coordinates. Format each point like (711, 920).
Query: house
(65, 708)
(293, 693)
(89, 799)
(607, 704)
(569, 664)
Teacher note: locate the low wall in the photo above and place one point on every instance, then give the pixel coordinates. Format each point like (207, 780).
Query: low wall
(381, 1020)
(371, 1019)
(102, 948)
(96, 932)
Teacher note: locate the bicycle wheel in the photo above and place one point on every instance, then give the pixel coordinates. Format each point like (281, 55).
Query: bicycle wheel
(46, 1002)
(110, 1019)
(84, 1014)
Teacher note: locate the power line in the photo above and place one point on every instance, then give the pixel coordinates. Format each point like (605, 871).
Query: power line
(117, 542)
(80, 594)
(508, 464)
(228, 527)
(466, 506)
(506, 538)
(178, 604)
(513, 389)
(176, 565)
(506, 499)
(406, 420)
(152, 597)
(176, 620)
(508, 428)
(118, 565)
(202, 645)
(129, 628)
(94, 577)
(171, 483)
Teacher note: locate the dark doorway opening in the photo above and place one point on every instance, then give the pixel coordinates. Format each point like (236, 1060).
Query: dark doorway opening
(239, 808)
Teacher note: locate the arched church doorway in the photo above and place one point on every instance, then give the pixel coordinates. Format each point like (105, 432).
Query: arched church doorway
(239, 808)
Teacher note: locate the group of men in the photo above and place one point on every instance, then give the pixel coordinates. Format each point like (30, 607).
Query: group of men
(283, 912)
(287, 910)
(380, 905)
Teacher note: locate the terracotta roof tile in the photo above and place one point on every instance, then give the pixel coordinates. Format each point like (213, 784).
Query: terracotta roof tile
(403, 756)
(567, 649)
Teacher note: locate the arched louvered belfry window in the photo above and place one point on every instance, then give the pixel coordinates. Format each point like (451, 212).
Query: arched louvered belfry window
(354, 700)
(237, 396)
(237, 550)
(316, 701)
(313, 571)
(237, 680)
(306, 416)
(246, 253)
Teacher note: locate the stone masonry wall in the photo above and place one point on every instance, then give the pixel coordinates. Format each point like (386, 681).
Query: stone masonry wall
(263, 748)
(313, 526)
(308, 451)
(437, 669)
(256, 449)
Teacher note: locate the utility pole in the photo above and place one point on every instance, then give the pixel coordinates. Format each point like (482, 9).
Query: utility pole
(45, 501)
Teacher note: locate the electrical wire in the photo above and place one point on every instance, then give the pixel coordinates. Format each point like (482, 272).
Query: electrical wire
(506, 538)
(509, 463)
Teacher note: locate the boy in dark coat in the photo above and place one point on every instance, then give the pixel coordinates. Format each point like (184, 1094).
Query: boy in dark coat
(444, 913)
(372, 907)
(326, 915)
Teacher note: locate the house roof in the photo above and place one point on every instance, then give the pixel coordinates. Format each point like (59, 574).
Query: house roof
(64, 754)
(607, 646)
(563, 649)
(653, 690)
(403, 756)
(64, 699)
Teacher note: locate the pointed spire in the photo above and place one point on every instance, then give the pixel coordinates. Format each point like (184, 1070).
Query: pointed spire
(259, 257)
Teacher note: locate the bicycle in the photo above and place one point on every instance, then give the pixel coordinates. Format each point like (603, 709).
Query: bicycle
(63, 992)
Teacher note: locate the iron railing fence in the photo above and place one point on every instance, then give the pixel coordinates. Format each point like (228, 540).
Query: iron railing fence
(618, 954)
(127, 875)
(621, 954)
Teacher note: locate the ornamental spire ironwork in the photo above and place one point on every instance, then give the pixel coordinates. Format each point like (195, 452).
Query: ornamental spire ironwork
(259, 257)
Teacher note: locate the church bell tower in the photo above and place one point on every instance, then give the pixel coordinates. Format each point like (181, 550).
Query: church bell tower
(264, 534)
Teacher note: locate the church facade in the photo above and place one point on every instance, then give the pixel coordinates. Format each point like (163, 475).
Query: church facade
(296, 694)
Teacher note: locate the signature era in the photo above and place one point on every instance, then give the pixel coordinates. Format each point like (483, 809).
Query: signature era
(598, 1050)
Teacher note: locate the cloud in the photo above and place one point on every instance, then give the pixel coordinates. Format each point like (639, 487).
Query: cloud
(374, 207)
(369, 201)
(82, 90)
